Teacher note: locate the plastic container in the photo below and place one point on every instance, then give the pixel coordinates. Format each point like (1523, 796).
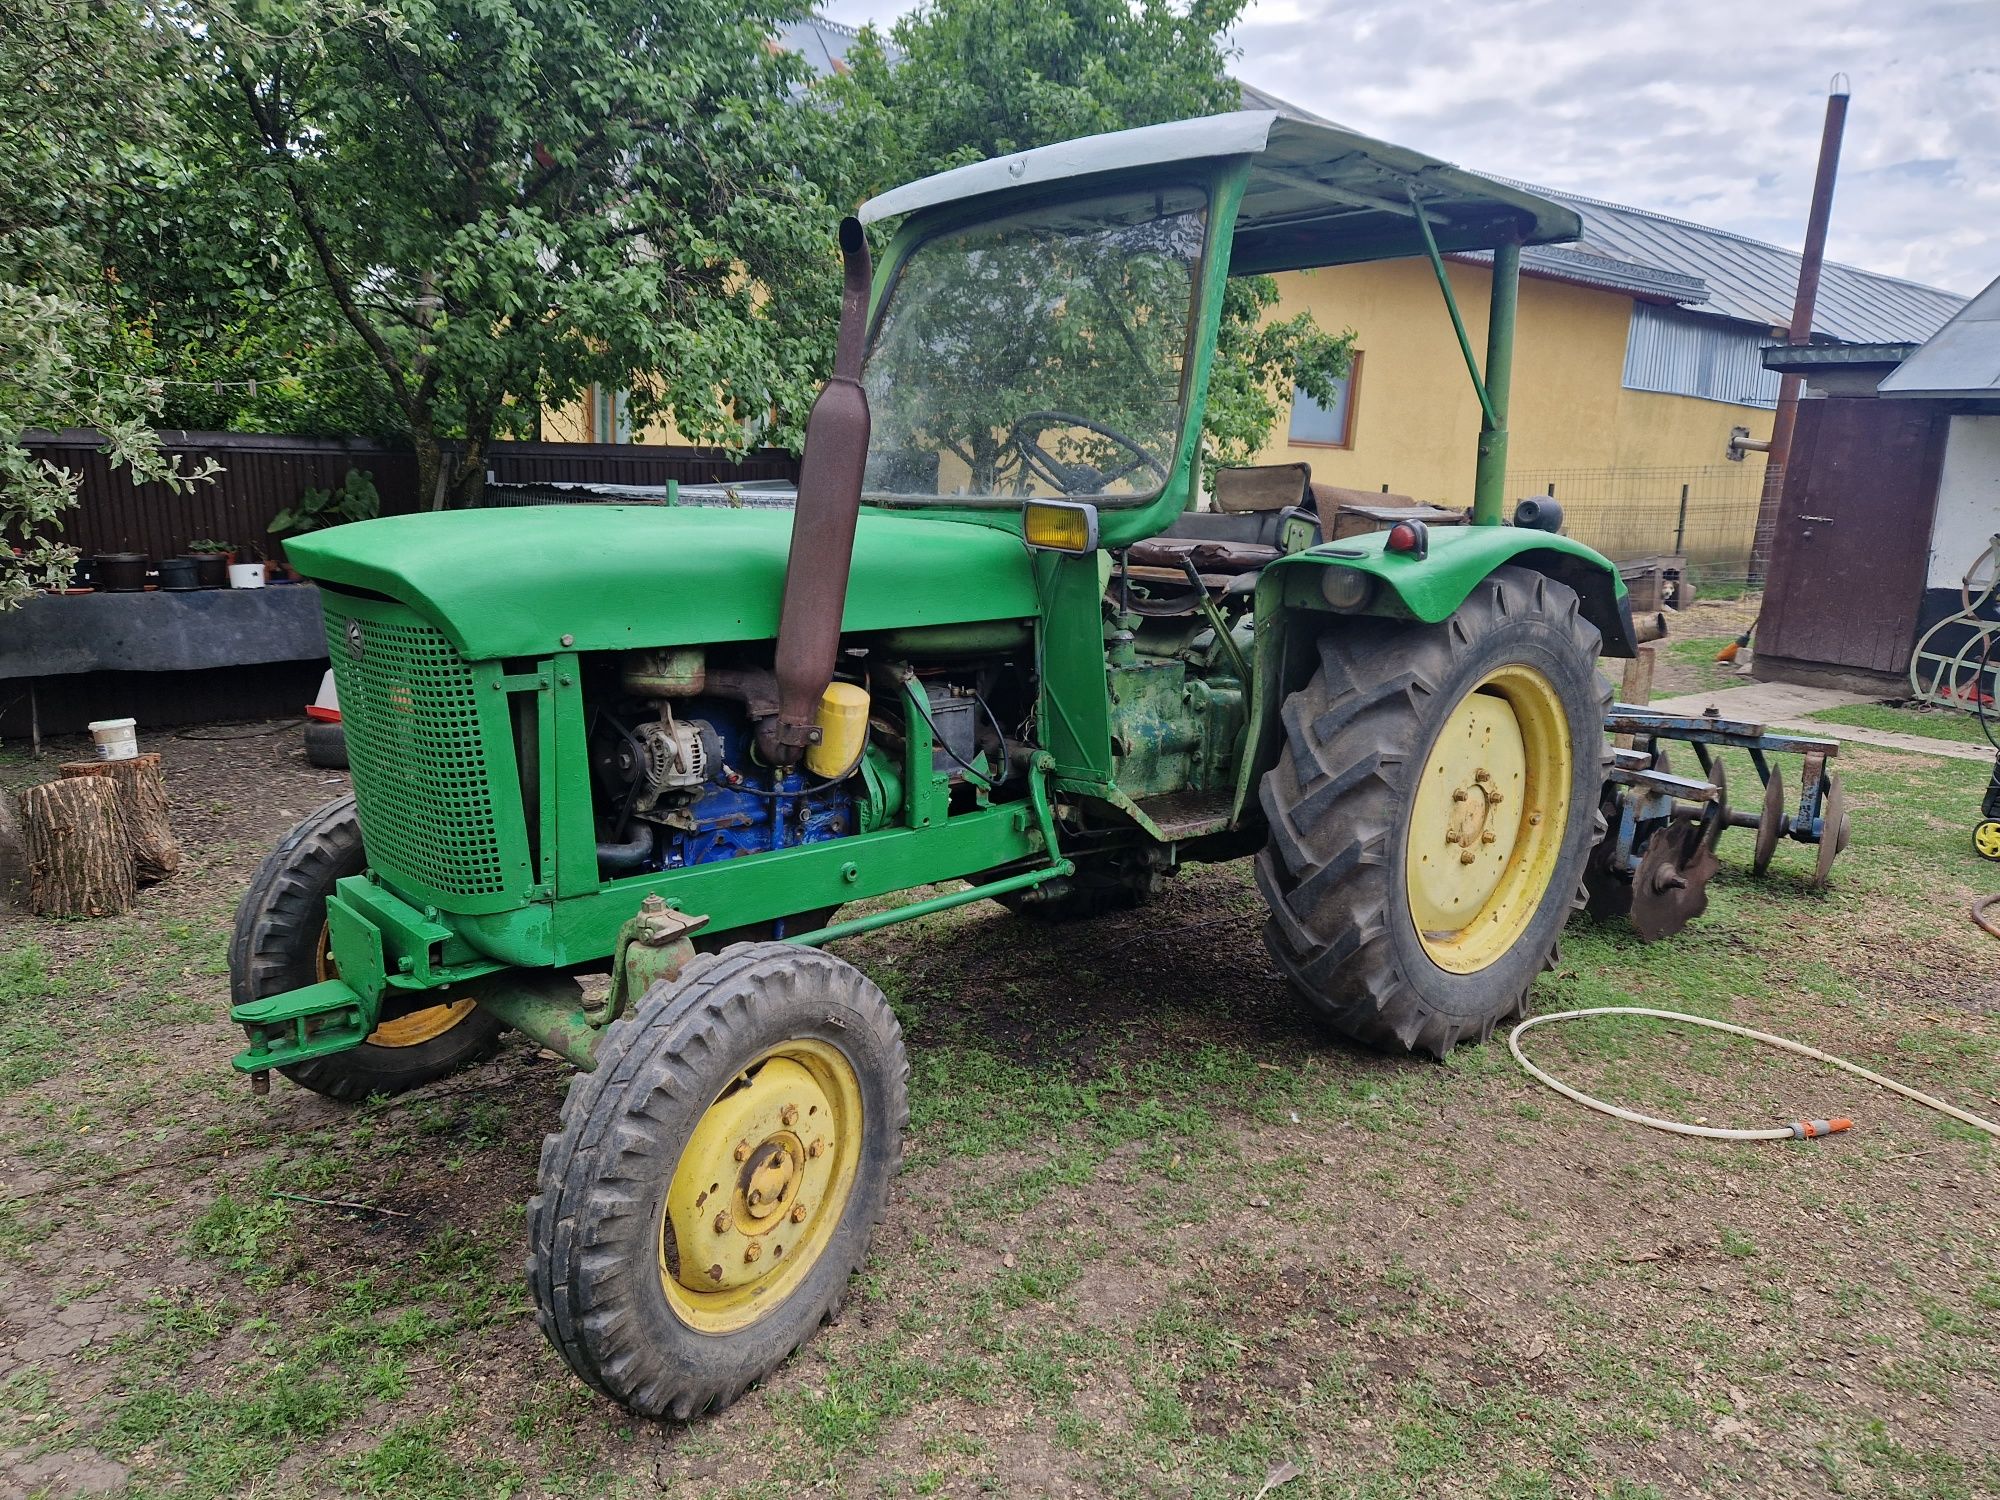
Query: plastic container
(117, 739)
(211, 569)
(178, 574)
(121, 572)
(246, 575)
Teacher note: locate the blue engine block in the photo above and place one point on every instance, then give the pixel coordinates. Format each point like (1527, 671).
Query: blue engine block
(764, 810)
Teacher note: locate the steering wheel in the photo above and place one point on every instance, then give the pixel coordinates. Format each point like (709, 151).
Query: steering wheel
(1077, 479)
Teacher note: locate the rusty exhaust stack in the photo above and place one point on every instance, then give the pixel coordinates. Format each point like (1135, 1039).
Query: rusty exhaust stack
(823, 523)
(1811, 258)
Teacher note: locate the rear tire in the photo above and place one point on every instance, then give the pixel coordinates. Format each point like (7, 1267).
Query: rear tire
(279, 945)
(1365, 743)
(655, 1272)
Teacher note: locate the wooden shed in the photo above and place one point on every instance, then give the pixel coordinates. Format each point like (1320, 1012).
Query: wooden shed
(1892, 492)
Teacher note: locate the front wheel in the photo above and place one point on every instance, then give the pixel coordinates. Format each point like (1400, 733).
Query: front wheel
(1432, 813)
(281, 943)
(718, 1177)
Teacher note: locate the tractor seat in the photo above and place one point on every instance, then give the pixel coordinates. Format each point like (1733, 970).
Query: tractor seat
(1246, 530)
(1209, 554)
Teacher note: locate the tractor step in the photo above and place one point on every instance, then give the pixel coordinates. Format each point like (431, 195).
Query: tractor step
(300, 1025)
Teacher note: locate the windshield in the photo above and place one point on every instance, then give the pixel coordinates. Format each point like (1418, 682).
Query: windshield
(1040, 354)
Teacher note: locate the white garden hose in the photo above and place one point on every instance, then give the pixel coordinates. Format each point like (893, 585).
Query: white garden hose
(1798, 1130)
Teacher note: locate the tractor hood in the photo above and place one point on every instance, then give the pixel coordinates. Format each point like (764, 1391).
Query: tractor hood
(535, 580)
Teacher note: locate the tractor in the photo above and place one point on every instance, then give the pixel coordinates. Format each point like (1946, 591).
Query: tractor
(617, 768)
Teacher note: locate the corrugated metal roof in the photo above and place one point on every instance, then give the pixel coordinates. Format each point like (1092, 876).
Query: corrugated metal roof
(1753, 282)
(1962, 359)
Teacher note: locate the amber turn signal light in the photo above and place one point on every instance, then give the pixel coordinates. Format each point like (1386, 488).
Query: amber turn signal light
(1060, 525)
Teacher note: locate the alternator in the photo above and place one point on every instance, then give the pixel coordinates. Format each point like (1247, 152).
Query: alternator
(676, 755)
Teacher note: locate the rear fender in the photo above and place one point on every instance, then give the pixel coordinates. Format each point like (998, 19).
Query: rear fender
(1292, 608)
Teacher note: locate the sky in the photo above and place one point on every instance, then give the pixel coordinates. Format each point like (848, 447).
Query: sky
(1708, 110)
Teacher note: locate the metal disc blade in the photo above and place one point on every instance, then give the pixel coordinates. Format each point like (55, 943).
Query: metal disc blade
(1771, 826)
(1833, 830)
(1670, 887)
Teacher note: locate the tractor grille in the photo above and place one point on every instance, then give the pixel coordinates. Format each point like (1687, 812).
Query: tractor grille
(421, 783)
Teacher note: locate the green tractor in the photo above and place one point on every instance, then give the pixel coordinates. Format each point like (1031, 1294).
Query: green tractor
(994, 651)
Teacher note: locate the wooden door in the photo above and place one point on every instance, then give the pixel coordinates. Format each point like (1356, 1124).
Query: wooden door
(1852, 539)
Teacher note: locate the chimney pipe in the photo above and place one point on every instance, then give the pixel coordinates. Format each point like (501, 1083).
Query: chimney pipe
(823, 524)
(1800, 332)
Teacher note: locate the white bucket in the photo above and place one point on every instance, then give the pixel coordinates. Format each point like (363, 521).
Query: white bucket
(246, 575)
(117, 739)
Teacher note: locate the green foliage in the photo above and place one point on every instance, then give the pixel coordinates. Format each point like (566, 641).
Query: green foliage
(355, 500)
(81, 86)
(980, 78)
(503, 204)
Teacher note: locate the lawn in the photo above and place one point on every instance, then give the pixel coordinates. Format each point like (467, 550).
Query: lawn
(1157, 1234)
(1932, 723)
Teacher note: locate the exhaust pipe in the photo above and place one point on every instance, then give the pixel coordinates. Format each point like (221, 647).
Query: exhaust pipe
(823, 524)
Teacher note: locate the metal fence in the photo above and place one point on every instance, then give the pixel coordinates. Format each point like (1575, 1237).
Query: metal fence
(1706, 513)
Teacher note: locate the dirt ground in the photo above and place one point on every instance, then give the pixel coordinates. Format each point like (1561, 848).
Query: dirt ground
(1157, 1235)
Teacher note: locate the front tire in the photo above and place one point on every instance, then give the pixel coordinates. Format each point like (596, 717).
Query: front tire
(1432, 811)
(719, 1176)
(280, 944)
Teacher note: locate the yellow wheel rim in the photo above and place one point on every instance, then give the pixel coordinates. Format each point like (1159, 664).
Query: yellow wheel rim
(1487, 819)
(407, 1030)
(761, 1186)
(1986, 840)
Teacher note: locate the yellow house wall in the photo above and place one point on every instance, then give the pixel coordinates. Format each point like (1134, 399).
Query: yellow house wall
(1415, 418)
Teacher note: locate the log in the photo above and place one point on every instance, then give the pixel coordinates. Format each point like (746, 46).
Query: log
(79, 854)
(13, 857)
(143, 791)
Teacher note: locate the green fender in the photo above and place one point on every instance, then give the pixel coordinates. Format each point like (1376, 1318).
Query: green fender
(1292, 608)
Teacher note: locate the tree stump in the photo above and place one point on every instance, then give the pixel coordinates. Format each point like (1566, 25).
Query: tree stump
(13, 856)
(142, 789)
(79, 854)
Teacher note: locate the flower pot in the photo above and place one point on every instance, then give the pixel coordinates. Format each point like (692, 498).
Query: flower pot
(246, 575)
(177, 574)
(121, 572)
(211, 569)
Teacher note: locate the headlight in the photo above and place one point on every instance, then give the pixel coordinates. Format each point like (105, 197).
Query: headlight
(1346, 588)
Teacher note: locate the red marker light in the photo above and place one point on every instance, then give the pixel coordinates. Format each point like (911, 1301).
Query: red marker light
(1411, 538)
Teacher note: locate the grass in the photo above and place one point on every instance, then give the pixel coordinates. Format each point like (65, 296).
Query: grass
(1930, 723)
(1156, 1235)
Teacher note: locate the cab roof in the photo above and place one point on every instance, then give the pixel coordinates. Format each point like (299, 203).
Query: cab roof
(1317, 196)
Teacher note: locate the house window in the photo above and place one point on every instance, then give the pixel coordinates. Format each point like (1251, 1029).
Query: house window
(1331, 425)
(610, 422)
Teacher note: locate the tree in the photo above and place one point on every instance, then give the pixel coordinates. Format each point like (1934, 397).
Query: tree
(506, 203)
(970, 79)
(83, 90)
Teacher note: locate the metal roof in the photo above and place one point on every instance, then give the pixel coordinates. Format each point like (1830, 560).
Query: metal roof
(1790, 357)
(1962, 359)
(1317, 195)
(1753, 282)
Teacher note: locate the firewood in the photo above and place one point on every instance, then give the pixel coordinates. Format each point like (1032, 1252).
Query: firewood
(142, 789)
(79, 853)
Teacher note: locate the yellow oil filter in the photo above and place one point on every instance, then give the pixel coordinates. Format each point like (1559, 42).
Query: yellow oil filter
(843, 731)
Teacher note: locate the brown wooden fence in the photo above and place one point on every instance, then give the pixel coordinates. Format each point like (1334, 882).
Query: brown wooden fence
(262, 474)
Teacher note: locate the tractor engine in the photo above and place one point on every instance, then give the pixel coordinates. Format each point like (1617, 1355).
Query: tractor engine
(677, 785)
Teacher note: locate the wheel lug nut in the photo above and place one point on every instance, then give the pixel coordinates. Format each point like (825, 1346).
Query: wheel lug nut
(815, 1148)
(1494, 797)
(743, 1151)
(722, 1223)
(789, 1114)
(799, 1214)
(1459, 794)
(715, 1273)
(1488, 836)
(1466, 856)
(754, 1252)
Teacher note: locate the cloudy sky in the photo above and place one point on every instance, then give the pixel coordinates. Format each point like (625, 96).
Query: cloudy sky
(1705, 109)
